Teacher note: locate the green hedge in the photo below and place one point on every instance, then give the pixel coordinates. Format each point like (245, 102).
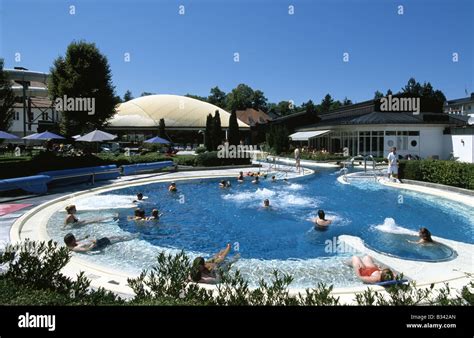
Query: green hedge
(456, 174)
(210, 159)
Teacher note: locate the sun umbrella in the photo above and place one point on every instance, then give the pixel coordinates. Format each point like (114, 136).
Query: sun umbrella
(7, 136)
(44, 136)
(157, 140)
(96, 136)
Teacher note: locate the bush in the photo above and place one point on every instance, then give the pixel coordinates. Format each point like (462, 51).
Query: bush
(211, 159)
(189, 160)
(456, 174)
(200, 150)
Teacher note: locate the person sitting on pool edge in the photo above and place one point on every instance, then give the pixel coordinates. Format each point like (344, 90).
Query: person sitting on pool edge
(172, 187)
(205, 272)
(266, 203)
(370, 273)
(240, 178)
(97, 244)
(321, 221)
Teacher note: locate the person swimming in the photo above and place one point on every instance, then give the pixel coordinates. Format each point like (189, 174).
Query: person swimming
(370, 273)
(205, 272)
(155, 215)
(255, 181)
(139, 198)
(96, 244)
(273, 179)
(266, 203)
(172, 187)
(138, 215)
(71, 218)
(321, 221)
(425, 236)
(240, 178)
(224, 184)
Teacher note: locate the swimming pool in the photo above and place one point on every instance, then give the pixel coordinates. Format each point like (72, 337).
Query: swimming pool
(201, 218)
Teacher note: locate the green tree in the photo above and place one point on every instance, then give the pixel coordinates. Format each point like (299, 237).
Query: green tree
(7, 99)
(162, 129)
(311, 111)
(233, 133)
(217, 131)
(208, 133)
(326, 103)
(283, 108)
(412, 87)
(217, 97)
(259, 101)
(146, 94)
(277, 139)
(83, 73)
(127, 96)
(346, 102)
(197, 97)
(378, 95)
(240, 98)
(389, 92)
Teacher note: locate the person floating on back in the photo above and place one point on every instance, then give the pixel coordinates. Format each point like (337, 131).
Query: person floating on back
(73, 220)
(84, 245)
(205, 272)
(321, 221)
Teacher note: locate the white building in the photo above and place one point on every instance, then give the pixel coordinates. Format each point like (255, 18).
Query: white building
(463, 106)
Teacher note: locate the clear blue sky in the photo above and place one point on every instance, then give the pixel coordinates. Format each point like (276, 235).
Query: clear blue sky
(294, 57)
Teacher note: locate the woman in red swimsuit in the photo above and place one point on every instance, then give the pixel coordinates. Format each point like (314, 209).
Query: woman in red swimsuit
(370, 273)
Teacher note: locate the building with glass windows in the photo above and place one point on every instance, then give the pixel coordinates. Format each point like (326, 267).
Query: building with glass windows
(360, 130)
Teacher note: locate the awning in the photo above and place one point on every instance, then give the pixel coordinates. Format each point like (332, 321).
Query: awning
(306, 135)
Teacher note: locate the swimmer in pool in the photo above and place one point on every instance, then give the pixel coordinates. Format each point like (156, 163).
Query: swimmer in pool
(155, 215)
(139, 198)
(96, 244)
(273, 179)
(205, 272)
(138, 215)
(73, 220)
(321, 221)
(255, 181)
(172, 187)
(266, 203)
(425, 236)
(240, 178)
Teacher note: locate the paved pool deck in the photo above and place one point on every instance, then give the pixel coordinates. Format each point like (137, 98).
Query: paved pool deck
(31, 223)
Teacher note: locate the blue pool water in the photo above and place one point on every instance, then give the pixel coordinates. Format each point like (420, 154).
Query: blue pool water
(201, 218)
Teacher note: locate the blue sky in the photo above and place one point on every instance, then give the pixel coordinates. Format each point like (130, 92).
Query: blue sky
(297, 57)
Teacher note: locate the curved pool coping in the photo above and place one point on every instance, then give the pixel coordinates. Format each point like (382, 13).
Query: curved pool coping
(425, 273)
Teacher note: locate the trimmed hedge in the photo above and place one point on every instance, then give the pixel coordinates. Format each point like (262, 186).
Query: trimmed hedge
(210, 159)
(456, 174)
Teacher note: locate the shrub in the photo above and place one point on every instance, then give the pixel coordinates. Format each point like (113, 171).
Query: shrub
(451, 173)
(200, 150)
(210, 159)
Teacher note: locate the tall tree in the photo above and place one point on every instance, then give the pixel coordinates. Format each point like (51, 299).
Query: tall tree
(240, 98)
(233, 133)
(311, 111)
(389, 92)
(217, 97)
(378, 95)
(346, 102)
(197, 97)
(127, 96)
(412, 87)
(83, 73)
(208, 134)
(217, 131)
(326, 103)
(259, 101)
(7, 99)
(162, 128)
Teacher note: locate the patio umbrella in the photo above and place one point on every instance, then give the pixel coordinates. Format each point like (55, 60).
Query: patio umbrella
(157, 140)
(97, 136)
(7, 136)
(44, 136)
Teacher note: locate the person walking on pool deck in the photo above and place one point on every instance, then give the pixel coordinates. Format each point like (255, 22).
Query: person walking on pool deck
(297, 158)
(392, 163)
(96, 244)
(370, 273)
